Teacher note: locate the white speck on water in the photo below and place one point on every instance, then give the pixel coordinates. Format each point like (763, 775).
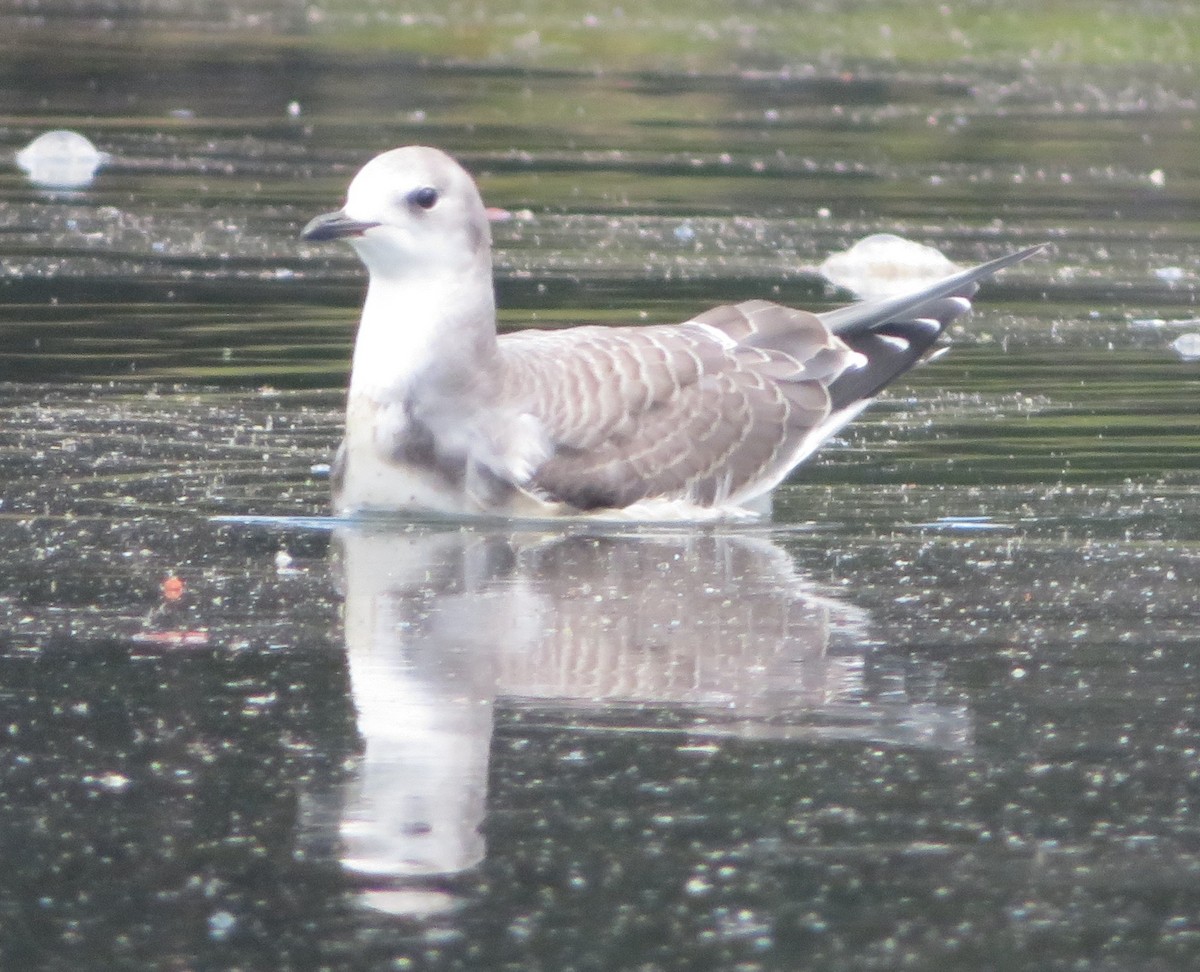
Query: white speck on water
(1187, 346)
(220, 924)
(110, 782)
(60, 159)
(520, 929)
(1170, 274)
(293, 109)
(1163, 322)
(1158, 178)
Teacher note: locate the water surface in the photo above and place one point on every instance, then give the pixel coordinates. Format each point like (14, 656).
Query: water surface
(939, 714)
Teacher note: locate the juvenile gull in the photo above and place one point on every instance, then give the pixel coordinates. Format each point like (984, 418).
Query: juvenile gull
(697, 420)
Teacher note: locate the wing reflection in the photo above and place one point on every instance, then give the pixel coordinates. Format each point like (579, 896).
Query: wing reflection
(440, 624)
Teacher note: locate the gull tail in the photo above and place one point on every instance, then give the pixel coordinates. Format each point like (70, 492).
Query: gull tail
(895, 333)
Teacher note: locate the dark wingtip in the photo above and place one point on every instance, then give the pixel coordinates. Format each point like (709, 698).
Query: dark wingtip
(992, 266)
(866, 315)
(896, 333)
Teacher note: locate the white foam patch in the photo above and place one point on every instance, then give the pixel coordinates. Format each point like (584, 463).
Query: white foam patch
(60, 159)
(885, 265)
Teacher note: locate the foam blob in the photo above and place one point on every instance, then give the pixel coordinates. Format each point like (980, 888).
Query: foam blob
(884, 265)
(60, 159)
(1187, 346)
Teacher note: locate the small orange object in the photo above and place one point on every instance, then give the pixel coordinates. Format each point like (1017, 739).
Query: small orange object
(172, 588)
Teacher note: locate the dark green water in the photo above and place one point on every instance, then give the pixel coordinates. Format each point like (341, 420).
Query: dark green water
(940, 715)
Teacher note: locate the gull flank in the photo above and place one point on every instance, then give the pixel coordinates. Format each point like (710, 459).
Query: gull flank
(699, 420)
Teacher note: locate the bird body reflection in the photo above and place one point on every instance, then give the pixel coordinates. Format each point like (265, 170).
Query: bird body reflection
(441, 623)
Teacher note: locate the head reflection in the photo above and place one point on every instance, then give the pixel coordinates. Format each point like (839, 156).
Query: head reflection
(442, 623)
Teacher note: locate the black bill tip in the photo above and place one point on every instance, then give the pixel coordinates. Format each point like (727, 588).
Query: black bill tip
(334, 226)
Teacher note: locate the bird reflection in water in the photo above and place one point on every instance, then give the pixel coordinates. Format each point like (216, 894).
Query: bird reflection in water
(441, 625)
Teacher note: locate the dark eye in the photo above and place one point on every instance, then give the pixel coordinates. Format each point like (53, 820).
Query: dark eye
(426, 197)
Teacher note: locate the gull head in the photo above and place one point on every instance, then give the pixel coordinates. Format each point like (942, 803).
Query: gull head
(409, 212)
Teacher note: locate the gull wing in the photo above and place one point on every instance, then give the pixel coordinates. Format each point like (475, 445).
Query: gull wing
(679, 412)
(717, 410)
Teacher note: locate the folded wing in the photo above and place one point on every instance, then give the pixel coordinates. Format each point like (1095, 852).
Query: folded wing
(717, 410)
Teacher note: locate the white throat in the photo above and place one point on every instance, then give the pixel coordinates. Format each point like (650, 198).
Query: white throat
(421, 329)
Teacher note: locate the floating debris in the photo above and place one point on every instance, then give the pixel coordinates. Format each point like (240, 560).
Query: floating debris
(171, 639)
(884, 264)
(221, 925)
(964, 523)
(1187, 346)
(684, 232)
(109, 782)
(1163, 322)
(60, 159)
(1170, 274)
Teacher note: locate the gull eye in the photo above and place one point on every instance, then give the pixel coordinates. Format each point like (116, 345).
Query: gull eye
(426, 197)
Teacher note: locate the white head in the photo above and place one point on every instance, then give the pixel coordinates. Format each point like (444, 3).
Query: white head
(411, 211)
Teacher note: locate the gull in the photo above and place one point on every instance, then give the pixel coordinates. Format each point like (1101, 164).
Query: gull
(693, 421)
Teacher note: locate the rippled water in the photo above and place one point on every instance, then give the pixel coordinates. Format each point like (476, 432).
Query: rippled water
(941, 714)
